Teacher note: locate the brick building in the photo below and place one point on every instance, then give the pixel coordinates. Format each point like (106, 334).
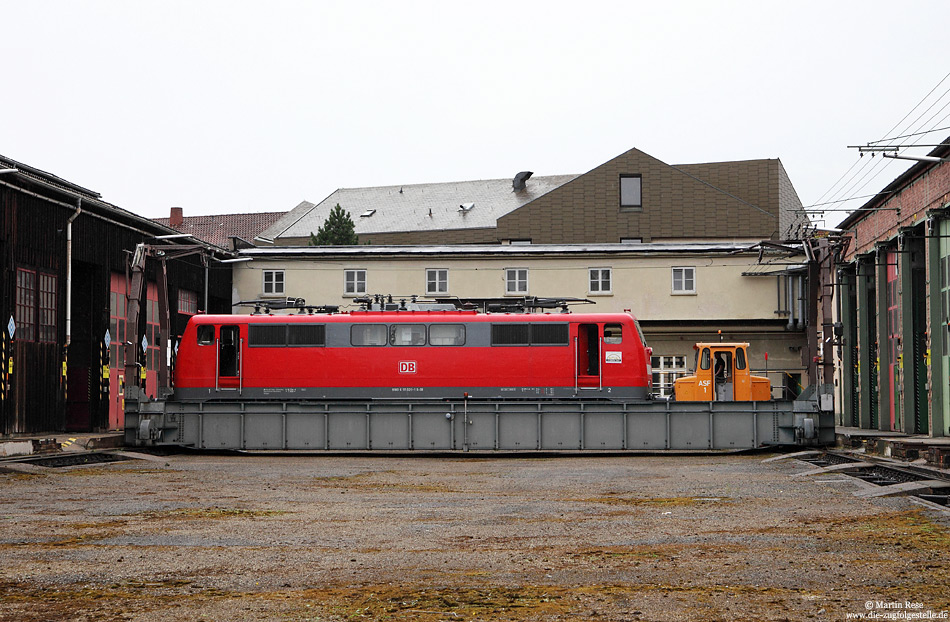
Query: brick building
(894, 302)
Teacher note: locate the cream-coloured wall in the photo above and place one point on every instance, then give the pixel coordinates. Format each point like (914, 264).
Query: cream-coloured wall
(641, 284)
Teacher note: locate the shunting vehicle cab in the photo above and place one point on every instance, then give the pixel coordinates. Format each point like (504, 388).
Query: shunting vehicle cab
(722, 375)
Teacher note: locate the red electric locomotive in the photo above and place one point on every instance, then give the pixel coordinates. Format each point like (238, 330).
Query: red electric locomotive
(413, 355)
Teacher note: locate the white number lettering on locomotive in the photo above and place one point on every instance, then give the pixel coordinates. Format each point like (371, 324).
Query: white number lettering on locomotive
(407, 367)
(704, 383)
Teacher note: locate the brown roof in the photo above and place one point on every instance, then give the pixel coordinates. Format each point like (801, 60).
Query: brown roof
(218, 229)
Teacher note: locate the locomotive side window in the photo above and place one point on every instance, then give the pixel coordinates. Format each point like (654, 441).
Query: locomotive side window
(205, 335)
(267, 335)
(447, 335)
(407, 335)
(549, 334)
(613, 333)
(369, 335)
(510, 334)
(307, 335)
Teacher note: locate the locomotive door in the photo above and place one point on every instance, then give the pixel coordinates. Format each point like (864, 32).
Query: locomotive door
(587, 366)
(229, 357)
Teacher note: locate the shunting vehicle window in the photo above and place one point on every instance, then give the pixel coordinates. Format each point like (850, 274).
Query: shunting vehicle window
(704, 362)
(447, 335)
(205, 335)
(613, 333)
(369, 335)
(407, 335)
(740, 358)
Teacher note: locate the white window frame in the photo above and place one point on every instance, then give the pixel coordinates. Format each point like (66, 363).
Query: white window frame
(667, 369)
(269, 278)
(516, 280)
(437, 281)
(598, 280)
(356, 280)
(683, 271)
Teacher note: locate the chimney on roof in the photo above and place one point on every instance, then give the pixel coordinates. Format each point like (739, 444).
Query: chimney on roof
(176, 218)
(518, 183)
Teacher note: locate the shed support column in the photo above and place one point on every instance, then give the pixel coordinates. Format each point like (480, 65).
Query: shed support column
(938, 329)
(849, 408)
(913, 301)
(866, 340)
(883, 356)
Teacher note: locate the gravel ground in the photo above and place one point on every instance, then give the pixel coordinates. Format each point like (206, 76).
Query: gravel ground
(291, 537)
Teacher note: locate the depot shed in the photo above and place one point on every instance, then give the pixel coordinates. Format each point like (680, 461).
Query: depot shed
(64, 256)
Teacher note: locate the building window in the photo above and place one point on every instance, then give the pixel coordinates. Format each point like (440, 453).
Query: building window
(630, 186)
(354, 282)
(437, 281)
(187, 302)
(599, 282)
(684, 280)
(47, 331)
(666, 369)
(25, 305)
(516, 280)
(273, 282)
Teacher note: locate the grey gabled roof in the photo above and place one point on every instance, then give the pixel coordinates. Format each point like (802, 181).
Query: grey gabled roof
(417, 207)
(498, 250)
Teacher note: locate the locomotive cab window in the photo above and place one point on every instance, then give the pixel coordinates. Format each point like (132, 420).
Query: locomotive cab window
(704, 362)
(740, 358)
(407, 335)
(205, 335)
(613, 333)
(369, 335)
(447, 335)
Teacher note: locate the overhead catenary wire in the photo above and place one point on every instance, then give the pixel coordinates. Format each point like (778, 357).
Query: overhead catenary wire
(855, 181)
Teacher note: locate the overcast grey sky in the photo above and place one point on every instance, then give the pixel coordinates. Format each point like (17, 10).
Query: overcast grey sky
(235, 106)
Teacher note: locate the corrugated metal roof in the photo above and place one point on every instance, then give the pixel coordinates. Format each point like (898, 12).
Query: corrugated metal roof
(418, 207)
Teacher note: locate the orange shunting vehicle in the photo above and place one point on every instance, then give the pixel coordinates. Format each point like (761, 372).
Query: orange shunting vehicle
(722, 375)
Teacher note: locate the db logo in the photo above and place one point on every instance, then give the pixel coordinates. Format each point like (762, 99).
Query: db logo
(407, 367)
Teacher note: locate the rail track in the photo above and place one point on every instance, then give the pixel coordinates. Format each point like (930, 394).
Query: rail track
(925, 483)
